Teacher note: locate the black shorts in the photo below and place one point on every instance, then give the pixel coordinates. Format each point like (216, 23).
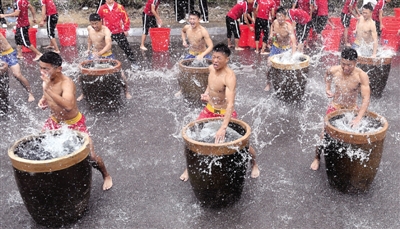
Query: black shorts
(232, 27)
(148, 22)
(302, 31)
(51, 22)
(22, 36)
(319, 23)
(378, 28)
(262, 25)
(345, 18)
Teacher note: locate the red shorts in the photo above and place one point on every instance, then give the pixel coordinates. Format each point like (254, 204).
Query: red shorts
(205, 113)
(79, 125)
(334, 107)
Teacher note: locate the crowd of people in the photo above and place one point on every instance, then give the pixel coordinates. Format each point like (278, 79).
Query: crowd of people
(285, 30)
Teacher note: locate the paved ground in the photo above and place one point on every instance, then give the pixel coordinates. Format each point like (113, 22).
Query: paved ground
(143, 150)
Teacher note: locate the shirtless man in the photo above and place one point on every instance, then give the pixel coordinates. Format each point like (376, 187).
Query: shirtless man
(99, 46)
(283, 39)
(220, 98)
(200, 43)
(9, 55)
(59, 95)
(366, 31)
(348, 81)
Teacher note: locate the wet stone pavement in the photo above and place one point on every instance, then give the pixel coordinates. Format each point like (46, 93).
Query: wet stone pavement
(143, 151)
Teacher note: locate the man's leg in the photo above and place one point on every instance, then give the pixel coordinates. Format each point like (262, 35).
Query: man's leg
(255, 172)
(16, 71)
(99, 164)
(123, 43)
(125, 84)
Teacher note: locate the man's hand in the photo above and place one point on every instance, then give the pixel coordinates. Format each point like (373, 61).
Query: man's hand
(355, 122)
(329, 93)
(41, 23)
(42, 103)
(184, 43)
(205, 97)
(220, 136)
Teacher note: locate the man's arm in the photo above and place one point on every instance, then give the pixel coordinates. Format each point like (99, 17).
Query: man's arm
(33, 11)
(328, 82)
(375, 39)
(67, 99)
(155, 13)
(41, 23)
(380, 19)
(230, 91)
(365, 95)
(209, 44)
(183, 35)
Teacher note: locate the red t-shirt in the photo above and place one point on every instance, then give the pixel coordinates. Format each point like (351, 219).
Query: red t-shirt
(147, 7)
(378, 7)
(23, 17)
(116, 20)
(303, 5)
(349, 4)
(239, 9)
(50, 7)
(264, 8)
(322, 7)
(299, 16)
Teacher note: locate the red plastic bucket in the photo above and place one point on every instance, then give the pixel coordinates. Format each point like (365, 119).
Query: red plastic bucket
(390, 39)
(251, 42)
(397, 12)
(160, 39)
(67, 33)
(32, 38)
(244, 36)
(331, 39)
(3, 31)
(337, 22)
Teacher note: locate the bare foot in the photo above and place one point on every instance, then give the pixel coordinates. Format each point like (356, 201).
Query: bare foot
(37, 57)
(80, 98)
(239, 49)
(143, 48)
(49, 47)
(128, 95)
(315, 164)
(31, 98)
(264, 53)
(184, 176)
(107, 183)
(348, 45)
(268, 87)
(20, 57)
(255, 172)
(230, 46)
(257, 51)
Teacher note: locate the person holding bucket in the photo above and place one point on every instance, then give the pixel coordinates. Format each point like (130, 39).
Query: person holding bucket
(220, 97)
(150, 19)
(232, 25)
(377, 15)
(99, 47)
(117, 20)
(22, 27)
(348, 81)
(9, 55)
(59, 96)
(49, 13)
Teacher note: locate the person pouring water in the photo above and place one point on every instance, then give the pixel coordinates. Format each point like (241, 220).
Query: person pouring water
(348, 81)
(220, 97)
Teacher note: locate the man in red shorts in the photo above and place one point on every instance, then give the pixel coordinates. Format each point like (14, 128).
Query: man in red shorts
(220, 98)
(349, 81)
(59, 95)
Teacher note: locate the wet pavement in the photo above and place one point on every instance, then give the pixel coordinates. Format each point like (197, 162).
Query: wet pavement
(143, 151)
